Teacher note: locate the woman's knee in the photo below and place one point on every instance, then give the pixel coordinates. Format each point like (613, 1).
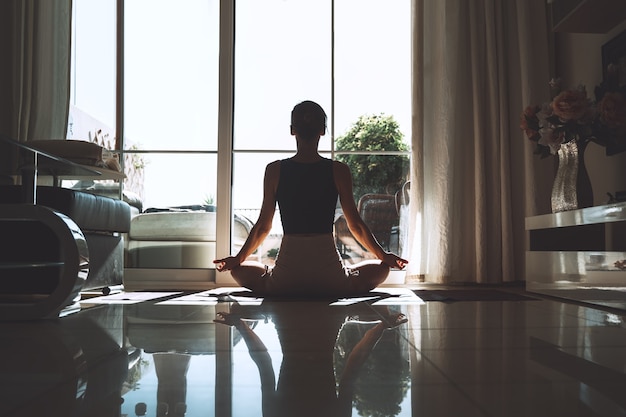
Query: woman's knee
(249, 276)
(370, 276)
(380, 272)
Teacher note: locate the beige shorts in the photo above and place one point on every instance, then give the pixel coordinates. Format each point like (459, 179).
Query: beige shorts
(309, 266)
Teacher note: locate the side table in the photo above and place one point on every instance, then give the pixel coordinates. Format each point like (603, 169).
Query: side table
(35, 289)
(575, 254)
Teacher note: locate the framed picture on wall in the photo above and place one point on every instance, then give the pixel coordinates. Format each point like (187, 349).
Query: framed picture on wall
(614, 54)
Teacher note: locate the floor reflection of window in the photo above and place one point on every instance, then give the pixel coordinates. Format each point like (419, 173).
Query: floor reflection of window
(173, 368)
(170, 384)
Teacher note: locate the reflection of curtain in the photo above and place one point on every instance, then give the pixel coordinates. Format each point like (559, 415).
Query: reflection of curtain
(474, 64)
(41, 68)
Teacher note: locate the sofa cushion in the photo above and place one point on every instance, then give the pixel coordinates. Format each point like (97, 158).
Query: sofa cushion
(184, 223)
(196, 226)
(90, 212)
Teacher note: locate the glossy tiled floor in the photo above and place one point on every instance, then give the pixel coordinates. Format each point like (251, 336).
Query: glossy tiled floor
(167, 357)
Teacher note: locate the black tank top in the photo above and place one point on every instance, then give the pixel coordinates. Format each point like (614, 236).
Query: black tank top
(307, 196)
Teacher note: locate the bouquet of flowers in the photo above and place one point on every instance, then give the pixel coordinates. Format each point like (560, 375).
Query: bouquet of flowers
(571, 115)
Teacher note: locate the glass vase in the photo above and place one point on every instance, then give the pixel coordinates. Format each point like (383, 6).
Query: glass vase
(572, 188)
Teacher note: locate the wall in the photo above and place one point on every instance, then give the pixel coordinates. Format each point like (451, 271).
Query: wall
(578, 60)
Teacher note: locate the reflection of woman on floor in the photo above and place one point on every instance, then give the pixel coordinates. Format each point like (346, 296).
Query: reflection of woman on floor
(306, 188)
(307, 384)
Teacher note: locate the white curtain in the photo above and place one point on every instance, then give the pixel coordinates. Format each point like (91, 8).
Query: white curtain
(476, 64)
(41, 68)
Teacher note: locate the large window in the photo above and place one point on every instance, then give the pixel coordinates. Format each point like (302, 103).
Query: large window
(171, 97)
(191, 68)
(93, 78)
(282, 56)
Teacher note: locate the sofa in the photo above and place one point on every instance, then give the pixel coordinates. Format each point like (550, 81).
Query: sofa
(179, 237)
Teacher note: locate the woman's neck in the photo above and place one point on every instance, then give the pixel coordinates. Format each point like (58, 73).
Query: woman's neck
(306, 157)
(307, 151)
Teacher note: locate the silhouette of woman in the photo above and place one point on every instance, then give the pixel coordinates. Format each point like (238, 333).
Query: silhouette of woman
(306, 188)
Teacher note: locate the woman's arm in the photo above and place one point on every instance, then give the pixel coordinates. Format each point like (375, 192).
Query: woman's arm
(260, 356)
(358, 228)
(361, 352)
(262, 227)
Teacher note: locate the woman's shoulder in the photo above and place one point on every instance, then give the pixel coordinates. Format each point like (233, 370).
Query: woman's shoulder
(272, 168)
(274, 164)
(340, 166)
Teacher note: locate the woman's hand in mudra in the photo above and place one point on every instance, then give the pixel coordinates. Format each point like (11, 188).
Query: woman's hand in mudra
(228, 319)
(394, 261)
(226, 264)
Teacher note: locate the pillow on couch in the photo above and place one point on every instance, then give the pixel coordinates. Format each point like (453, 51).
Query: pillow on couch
(79, 152)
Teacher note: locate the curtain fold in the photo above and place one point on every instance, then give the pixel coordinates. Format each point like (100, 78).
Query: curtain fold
(472, 180)
(41, 68)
